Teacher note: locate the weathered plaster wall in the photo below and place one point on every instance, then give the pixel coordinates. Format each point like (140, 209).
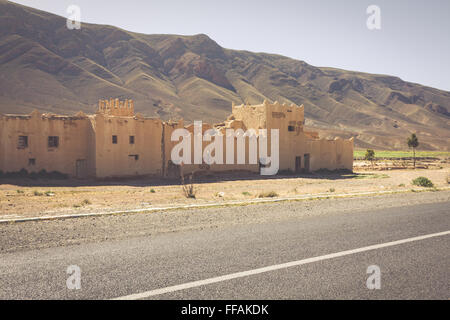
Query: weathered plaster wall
(74, 135)
(144, 157)
(330, 154)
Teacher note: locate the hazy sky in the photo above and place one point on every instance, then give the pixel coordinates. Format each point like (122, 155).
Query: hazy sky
(413, 42)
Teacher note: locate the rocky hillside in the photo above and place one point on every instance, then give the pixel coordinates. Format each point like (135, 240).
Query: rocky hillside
(44, 65)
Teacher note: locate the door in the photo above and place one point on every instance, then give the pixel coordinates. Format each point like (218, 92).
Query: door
(81, 169)
(298, 164)
(307, 162)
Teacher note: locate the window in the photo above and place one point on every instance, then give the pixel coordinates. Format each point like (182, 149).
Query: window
(291, 128)
(114, 139)
(31, 162)
(53, 142)
(135, 156)
(131, 139)
(22, 143)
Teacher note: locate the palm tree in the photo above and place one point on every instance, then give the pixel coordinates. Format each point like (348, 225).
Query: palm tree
(413, 143)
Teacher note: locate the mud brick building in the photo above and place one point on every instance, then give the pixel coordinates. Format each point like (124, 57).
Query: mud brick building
(116, 142)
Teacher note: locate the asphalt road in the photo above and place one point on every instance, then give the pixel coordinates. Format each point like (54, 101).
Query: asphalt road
(119, 268)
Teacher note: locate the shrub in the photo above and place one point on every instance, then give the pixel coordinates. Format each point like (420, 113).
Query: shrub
(86, 202)
(188, 189)
(20, 191)
(332, 190)
(246, 193)
(37, 193)
(270, 194)
(423, 182)
(152, 191)
(370, 156)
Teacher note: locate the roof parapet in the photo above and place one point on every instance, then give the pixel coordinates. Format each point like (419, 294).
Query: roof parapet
(115, 107)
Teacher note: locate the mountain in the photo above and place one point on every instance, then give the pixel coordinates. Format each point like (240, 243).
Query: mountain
(45, 66)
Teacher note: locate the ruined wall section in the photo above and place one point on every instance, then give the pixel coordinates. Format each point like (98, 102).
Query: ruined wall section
(169, 169)
(115, 107)
(224, 167)
(251, 116)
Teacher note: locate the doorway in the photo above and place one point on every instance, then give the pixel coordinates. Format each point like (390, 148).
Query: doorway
(307, 159)
(298, 164)
(81, 169)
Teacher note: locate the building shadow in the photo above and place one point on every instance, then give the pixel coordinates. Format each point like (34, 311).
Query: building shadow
(198, 178)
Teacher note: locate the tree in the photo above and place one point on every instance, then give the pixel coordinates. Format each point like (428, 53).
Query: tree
(413, 143)
(370, 156)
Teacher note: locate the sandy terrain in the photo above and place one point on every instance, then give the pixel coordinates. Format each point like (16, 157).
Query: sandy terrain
(36, 198)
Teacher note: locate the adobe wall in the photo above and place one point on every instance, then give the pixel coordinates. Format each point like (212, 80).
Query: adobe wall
(330, 154)
(75, 136)
(235, 167)
(292, 142)
(295, 145)
(123, 159)
(89, 139)
(169, 169)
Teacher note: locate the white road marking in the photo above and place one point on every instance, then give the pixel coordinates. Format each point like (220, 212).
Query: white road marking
(247, 273)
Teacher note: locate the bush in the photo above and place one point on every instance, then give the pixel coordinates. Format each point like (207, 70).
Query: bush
(370, 156)
(152, 191)
(270, 194)
(188, 189)
(423, 182)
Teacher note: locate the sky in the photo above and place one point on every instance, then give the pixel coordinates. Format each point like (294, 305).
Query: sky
(413, 41)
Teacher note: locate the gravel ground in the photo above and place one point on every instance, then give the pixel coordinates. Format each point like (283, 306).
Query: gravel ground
(44, 234)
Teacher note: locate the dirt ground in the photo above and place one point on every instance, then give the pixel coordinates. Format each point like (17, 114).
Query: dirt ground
(38, 198)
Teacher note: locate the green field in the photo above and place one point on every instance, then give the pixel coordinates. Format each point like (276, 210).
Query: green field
(359, 154)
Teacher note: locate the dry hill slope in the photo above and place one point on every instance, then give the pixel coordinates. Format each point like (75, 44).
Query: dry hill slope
(44, 65)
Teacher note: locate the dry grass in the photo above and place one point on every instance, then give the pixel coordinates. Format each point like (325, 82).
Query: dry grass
(268, 194)
(189, 189)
